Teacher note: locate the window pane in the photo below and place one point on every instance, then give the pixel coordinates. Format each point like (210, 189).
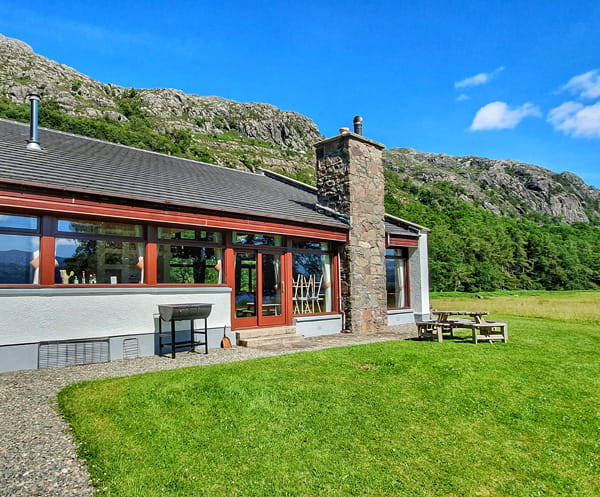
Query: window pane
(99, 261)
(312, 283)
(188, 264)
(21, 222)
(245, 284)
(100, 228)
(397, 252)
(271, 284)
(395, 279)
(257, 239)
(19, 259)
(311, 244)
(186, 234)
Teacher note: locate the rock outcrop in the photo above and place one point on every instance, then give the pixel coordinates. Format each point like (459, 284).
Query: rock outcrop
(23, 71)
(505, 187)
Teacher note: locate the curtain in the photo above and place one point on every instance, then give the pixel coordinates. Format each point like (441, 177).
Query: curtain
(326, 275)
(399, 282)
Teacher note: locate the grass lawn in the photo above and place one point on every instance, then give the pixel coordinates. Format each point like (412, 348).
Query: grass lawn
(403, 418)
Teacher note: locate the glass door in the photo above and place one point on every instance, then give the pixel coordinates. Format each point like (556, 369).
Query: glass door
(271, 308)
(258, 289)
(246, 288)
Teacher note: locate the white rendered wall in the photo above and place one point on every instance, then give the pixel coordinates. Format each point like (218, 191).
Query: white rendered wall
(313, 326)
(398, 317)
(37, 315)
(419, 279)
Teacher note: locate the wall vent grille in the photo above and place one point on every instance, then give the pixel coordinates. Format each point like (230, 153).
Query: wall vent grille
(131, 348)
(71, 353)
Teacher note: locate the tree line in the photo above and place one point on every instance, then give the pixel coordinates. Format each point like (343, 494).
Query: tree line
(473, 249)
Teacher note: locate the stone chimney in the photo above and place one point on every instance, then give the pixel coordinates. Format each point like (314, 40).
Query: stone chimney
(350, 182)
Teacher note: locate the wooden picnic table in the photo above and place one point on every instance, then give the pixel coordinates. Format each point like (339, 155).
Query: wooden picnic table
(442, 316)
(481, 329)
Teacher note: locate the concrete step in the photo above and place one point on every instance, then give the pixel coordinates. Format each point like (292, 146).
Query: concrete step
(265, 332)
(271, 341)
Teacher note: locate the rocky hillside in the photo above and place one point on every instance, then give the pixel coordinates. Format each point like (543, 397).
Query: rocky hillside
(505, 187)
(250, 135)
(215, 123)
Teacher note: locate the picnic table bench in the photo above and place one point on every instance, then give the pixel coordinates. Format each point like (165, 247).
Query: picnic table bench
(481, 329)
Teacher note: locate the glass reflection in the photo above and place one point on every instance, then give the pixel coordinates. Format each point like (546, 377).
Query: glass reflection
(18, 222)
(271, 284)
(19, 259)
(188, 264)
(245, 284)
(99, 261)
(312, 283)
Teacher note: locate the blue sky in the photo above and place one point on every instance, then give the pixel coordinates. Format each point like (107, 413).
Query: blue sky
(499, 79)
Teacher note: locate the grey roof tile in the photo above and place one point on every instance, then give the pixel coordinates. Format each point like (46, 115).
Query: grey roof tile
(85, 164)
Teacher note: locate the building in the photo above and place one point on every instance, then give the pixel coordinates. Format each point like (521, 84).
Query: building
(94, 235)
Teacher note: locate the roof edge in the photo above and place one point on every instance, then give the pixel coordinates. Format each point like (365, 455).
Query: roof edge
(347, 135)
(408, 223)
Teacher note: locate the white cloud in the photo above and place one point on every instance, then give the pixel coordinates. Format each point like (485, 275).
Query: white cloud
(68, 242)
(462, 97)
(576, 119)
(498, 115)
(478, 79)
(585, 85)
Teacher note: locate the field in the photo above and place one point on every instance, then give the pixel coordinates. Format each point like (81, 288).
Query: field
(575, 307)
(402, 418)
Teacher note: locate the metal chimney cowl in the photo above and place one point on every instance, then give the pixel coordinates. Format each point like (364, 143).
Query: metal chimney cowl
(33, 142)
(358, 125)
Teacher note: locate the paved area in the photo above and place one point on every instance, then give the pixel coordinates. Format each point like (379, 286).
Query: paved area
(38, 456)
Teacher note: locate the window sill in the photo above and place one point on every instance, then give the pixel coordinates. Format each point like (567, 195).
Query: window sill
(75, 290)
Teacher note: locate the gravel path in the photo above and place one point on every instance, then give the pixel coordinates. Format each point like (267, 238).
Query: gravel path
(38, 456)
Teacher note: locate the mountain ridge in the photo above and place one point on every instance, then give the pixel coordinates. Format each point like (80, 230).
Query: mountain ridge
(251, 135)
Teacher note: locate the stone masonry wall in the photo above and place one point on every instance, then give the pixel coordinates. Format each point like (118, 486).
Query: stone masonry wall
(350, 181)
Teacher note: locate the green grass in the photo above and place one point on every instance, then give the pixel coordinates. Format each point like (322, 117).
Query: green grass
(400, 418)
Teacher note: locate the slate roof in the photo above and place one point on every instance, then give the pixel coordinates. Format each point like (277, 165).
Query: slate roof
(93, 166)
(82, 164)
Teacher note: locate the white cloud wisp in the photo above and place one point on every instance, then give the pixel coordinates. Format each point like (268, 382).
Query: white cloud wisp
(576, 119)
(585, 85)
(498, 115)
(479, 79)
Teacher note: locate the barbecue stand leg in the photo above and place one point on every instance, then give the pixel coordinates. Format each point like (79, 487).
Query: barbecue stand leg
(160, 344)
(192, 338)
(205, 335)
(172, 339)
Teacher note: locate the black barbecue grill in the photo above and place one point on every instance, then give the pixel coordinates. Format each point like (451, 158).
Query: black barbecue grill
(183, 312)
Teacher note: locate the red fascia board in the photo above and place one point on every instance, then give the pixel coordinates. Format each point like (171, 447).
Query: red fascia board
(64, 191)
(76, 206)
(403, 242)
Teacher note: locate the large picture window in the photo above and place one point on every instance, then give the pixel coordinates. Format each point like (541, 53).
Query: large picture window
(396, 263)
(19, 249)
(189, 257)
(312, 281)
(188, 264)
(90, 252)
